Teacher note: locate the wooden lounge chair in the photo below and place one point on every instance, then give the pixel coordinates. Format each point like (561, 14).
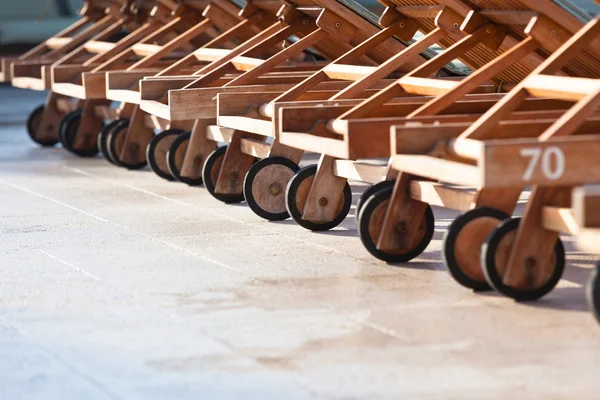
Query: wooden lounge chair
(314, 25)
(360, 130)
(265, 182)
(485, 36)
(170, 26)
(126, 145)
(87, 46)
(523, 258)
(483, 166)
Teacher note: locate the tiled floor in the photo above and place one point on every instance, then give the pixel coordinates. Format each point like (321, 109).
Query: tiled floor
(119, 285)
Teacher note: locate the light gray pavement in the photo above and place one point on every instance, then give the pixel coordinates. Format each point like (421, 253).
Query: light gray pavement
(119, 285)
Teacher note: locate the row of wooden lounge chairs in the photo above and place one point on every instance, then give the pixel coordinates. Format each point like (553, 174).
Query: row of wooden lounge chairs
(459, 104)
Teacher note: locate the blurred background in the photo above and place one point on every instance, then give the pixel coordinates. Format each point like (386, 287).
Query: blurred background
(28, 22)
(24, 23)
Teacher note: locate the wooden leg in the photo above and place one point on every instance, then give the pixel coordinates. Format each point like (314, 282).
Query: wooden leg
(403, 218)
(51, 117)
(281, 150)
(199, 148)
(235, 165)
(326, 193)
(126, 110)
(90, 125)
(529, 258)
(137, 138)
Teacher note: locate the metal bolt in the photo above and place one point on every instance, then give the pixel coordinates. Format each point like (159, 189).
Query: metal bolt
(553, 33)
(337, 25)
(530, 267)
(305, 22)
(323, 202)
(401, 227)
(402, 24)
(530, 264)
(455, 25)
(275, 189)
(234, 176)
(489, 30)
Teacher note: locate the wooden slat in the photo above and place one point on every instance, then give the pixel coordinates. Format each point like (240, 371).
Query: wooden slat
(435, 168)
(559, 219)
(218, 134)
(347, 72)
(96, 46)
(145, 49)
(254, 148)
(427, 86)
(509, 17)
(566, 88)
(440, 195)
(360, 171)
(246, 124)
(58, 42)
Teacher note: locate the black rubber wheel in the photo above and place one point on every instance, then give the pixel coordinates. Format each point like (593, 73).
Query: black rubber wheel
(159, 167)
(367, 193)
(493, 276)
(68, 120)
(210, 173)
(180, 145)
(115, 142)
(68, 133)
(33, 124)
(103, 137)
(457, 269)
(264, 187)
(593, 292)
(305, 177)
(371, 217)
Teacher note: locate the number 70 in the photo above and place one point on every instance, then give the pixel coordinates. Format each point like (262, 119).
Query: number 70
(552, 162)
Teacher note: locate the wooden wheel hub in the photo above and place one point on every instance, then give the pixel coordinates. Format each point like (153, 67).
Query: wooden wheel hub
(198, 161)
(134, 147)
(401, 227)
(275, 189)
(266, 188)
